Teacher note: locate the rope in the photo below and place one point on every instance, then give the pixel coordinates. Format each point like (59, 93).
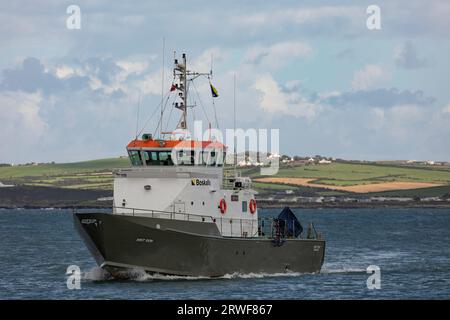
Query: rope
(170, 117)
(152, 115)
(160, 119)
(200, 101)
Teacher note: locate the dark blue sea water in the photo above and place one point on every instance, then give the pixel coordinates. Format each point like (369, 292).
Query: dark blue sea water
(411, 247)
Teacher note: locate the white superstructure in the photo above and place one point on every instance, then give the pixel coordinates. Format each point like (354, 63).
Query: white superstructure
(184, 179)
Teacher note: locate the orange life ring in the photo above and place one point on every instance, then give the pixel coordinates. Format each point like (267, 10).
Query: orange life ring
(223, 206)
(252, 206)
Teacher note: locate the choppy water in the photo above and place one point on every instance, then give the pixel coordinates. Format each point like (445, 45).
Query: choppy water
(411, 247)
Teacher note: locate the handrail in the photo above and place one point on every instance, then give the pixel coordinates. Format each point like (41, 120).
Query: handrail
(244, 226)
(172, 215)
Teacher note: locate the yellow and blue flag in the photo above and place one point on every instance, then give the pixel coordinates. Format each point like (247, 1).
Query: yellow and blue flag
(214, 91)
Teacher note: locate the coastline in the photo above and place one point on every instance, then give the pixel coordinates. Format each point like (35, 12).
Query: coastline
(27, 197)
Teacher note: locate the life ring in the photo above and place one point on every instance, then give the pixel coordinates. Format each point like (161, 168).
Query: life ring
(252, 206)
(223, 206)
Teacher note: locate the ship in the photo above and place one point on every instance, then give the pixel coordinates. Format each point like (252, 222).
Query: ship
(180, 210)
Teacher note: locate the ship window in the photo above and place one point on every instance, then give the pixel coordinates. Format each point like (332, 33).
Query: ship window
(135, 157)
(244, 206)
(158, 158)
(165, 158)
(151, 158)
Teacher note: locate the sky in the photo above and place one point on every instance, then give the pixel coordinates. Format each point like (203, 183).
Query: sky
(312, 69)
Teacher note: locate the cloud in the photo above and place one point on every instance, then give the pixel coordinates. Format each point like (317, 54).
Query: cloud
(368, 77)
(406, 57)
(320, 17)
(276, 101)
(22, 125)
(96, 75)
(385, 98)
(32, 76)
(400, 120)
(277, 54)
(446, 109)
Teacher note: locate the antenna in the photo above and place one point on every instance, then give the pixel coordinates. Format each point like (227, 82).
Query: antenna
(185, 98)
(211, 70)
(137, 116)
(234, 121)
(162, 85)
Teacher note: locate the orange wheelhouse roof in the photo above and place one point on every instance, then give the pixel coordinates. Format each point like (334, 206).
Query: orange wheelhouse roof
(170, 144)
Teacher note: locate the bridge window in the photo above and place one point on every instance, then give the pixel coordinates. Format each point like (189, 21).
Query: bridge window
(135, 157)
(158, 158)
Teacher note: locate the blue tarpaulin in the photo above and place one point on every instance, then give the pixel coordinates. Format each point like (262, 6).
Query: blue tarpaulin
(289, 223)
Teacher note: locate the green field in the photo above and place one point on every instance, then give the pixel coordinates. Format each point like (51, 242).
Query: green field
(95, 175)
(59, 169)
(421, 193)
(78, 175)
(354, 173)
(350, 174)
(346, 174)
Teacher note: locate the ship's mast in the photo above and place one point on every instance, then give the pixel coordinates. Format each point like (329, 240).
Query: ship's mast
(183, 75)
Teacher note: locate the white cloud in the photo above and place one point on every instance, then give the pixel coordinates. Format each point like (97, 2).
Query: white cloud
(277, 54)
(64, 72)
(273, 100)
(21, 124)
(130, 67)
(446, 109)
(398, 122)
(369, 77)
(297, 16)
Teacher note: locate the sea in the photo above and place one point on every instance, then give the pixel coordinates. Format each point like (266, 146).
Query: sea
(371, 253)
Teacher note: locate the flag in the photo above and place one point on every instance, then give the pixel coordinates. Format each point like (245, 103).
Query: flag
(214, 92)
(173, 87)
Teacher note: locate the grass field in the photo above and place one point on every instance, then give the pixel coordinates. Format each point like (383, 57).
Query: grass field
(362, 178)
(96, 174)
(61, 169)
(349, 173)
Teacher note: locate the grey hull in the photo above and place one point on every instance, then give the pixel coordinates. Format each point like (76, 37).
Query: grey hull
(189, 248)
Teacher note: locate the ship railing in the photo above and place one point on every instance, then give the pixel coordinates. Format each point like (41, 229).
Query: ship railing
(172, 215)
(273, 228)
(263, 227)
(228, 227)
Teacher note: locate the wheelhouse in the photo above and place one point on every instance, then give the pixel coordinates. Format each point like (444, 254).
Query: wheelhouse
(149, 152)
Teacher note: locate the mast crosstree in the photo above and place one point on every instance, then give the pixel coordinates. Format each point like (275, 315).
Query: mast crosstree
(182, 77)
